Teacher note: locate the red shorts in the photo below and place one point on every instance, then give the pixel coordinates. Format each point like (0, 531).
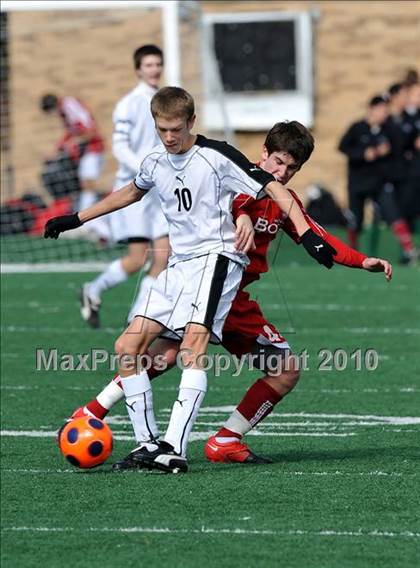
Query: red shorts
(245, 324)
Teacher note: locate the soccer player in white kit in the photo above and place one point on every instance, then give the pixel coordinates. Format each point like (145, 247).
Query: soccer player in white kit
(142, 226)
(196, 179)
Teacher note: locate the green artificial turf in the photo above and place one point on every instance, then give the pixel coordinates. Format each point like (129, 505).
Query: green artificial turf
(343, 490)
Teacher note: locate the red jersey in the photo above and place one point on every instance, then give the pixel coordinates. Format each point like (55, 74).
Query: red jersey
(246, 323)
(268, 219)
(78, 120)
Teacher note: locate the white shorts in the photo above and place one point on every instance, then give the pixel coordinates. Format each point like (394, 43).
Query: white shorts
(141, 220)
(200, 290)
(90, 166)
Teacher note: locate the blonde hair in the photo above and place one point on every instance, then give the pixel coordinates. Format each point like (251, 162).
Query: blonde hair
(172, 102)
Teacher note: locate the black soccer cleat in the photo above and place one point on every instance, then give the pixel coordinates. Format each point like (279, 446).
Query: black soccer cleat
(162, 458)
(168, 461)
(89, 307)
(139, 458)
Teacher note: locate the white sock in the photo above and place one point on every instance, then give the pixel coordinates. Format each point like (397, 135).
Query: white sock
(110, 395)
(139, 402)
(227, 440)
(192, 389)
(144, 290)
(113, 275)
(86, 199)
(238, 423)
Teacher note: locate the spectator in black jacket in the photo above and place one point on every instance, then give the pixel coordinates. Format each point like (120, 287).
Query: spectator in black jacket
(411, 120)
(368, 146)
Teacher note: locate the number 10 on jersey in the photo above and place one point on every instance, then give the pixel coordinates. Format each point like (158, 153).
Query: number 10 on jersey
(184, 198)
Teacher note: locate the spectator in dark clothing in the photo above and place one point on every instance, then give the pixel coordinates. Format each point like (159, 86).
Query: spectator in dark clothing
(368, 146)
(411, 121)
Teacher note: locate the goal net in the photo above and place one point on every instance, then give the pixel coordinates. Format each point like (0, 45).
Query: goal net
(81, 49)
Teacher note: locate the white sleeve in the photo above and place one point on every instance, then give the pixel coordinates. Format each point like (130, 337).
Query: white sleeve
(242, 176)
(76, 114)
(123, 123)
(144, 178)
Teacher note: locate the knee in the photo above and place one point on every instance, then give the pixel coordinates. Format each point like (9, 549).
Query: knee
(283, 381)
(126, 346)
(135, 262)
(193, 345)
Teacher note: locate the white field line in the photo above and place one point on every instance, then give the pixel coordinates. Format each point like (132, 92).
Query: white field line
(124, 420)
(271, 306)
(331, 307)
(52, 267)
(273, 427)
(375, 533)
(85, 388)
(302, 330)
(217, 410)
(195, 436)
(326, 286)
(391, 389)
(38, 471)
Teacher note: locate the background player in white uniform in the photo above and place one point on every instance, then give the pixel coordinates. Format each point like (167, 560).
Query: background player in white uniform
(196, 179)
(142, 225)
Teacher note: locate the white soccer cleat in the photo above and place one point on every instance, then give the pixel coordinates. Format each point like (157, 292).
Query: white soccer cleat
(89, 307)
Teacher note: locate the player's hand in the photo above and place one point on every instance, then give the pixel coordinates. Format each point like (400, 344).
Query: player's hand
(57, 225)
(383, 149)
(244, 236)
(319, 249)
(370, 154)
(378, 265)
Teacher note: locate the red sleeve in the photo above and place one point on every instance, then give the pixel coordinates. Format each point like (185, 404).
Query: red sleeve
(241, 205)
(345, 255)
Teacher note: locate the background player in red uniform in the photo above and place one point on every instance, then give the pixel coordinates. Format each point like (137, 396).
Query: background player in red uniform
(287, 147)
(82, 141)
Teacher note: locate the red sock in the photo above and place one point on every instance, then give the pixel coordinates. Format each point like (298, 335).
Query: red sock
(353, 237)
(258, 402)
(402, 231)
(226, 433)
(97, 409)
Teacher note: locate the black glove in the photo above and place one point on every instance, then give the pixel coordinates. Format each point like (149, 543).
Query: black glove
(319, 249)
(57, 225)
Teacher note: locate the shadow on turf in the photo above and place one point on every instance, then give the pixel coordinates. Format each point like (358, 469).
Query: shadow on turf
(338, 455)
(295, 456)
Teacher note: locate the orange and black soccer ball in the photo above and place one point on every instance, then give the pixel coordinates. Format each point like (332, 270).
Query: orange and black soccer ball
(85, 442)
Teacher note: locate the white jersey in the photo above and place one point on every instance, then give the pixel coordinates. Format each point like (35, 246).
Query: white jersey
(196, 190)
(134, 132)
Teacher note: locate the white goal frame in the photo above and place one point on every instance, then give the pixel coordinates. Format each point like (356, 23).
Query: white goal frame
(171, 48)
(170, 22)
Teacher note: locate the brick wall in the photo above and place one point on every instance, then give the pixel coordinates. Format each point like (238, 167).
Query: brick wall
(360, 48)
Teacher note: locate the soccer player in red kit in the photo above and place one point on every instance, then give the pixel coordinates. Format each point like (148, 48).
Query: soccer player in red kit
(81, 140)
(246, 331)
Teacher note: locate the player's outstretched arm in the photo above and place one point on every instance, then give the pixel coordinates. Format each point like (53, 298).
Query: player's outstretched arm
(314, 244)
(372, 264)
(114, 201)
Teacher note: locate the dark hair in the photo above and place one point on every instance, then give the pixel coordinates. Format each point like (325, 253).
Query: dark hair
(378, 100)
(411, 77)
(291, 137)
(172, 102)
(395, 89)
(48, 102)
(144, 50)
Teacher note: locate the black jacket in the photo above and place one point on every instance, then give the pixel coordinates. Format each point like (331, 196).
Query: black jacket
(364, 176)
